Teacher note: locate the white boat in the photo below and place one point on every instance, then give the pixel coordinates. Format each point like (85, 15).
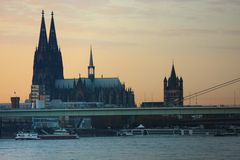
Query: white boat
(127, 134)
(124, 133)
(26, 136)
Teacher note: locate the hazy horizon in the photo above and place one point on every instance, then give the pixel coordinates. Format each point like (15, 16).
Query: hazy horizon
(134, 40)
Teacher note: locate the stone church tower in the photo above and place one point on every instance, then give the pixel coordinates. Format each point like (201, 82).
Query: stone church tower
(173, 89)
(48, 64)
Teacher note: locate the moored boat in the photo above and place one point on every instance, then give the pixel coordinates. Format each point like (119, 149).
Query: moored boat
(27, 136)
(221, 134)
(59, 134)
(225, 134)
(124, 133)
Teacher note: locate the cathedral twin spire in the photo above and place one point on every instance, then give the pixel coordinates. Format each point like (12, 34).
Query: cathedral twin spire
(43, 42)
(47, 59)
(50, 55)
(52, 35)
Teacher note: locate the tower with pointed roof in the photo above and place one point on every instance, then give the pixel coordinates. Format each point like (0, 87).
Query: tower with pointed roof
(47, 65)
(91, 67)
(40, 66)
(173, 89)
(55, 52)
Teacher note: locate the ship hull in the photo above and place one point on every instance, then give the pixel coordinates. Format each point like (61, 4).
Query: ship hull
(27, 138)
(58, 137)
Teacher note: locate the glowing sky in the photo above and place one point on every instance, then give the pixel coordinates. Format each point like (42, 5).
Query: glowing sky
(135, 40)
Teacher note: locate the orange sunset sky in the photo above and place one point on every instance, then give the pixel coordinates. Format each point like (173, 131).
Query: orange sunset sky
(135, 40)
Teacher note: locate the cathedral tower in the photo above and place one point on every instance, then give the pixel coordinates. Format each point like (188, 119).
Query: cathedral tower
(55, 53)
(47, 59)
(40, 56)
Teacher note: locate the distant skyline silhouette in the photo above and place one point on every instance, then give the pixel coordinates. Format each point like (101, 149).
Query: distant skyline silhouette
(134, 40)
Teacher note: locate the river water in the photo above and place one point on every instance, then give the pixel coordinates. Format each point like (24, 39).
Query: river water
(124, 148)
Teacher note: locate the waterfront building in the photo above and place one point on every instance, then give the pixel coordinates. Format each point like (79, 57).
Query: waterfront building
(39, 96)
(15, 102)
(49, 122)
(48, 76)
(25, 105)
(152, 104)
(173, 89)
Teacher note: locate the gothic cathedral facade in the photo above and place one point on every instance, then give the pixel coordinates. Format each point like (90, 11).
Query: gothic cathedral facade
(48, 77)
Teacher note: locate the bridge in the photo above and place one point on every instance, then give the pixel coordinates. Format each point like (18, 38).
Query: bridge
(121, 111)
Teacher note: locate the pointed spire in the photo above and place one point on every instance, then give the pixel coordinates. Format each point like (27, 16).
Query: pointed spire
(181, 79)
(74, 83)
(165, 83)
(165, 79)
(91, 68)
(91, 57)
(79, 82)
(52, 35)
(173, 73)
(42, 44)
(55, 55)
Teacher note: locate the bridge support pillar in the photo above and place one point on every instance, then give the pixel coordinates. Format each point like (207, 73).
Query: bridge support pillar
(0, 127)
(130, 121)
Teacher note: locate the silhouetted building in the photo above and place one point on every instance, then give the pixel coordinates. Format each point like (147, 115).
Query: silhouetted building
(91, 89)
(48, 72)
(152, 104)
(173, 89)
(38, 94)
(15, 102)
(47, 59)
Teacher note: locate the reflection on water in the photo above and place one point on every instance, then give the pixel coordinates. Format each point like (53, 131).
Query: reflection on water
(119, 148)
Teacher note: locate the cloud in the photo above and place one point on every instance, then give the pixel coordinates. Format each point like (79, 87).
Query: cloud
(164, 18)
(227, 48)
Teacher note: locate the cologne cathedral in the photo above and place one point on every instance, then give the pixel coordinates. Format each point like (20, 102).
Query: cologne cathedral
(48, 78)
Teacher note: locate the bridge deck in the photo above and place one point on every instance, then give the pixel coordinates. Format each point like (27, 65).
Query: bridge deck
(120, 111)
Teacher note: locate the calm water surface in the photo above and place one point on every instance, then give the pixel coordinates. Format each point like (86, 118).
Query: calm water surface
(124, 148)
